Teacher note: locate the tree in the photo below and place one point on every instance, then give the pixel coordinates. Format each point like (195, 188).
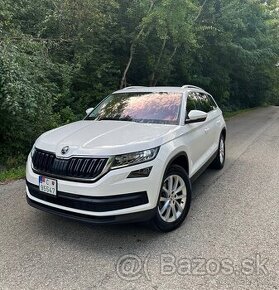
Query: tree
(58, 57)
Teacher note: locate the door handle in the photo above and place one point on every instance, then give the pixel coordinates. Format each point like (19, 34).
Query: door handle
(206, 130)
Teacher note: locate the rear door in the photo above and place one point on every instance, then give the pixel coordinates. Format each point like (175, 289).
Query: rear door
(208, 105)
(218, 119)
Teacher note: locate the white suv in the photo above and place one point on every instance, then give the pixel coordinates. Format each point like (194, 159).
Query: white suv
(131, 159)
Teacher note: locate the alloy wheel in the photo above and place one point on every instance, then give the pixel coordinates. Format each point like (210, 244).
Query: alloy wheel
(222, 150)
(172, 199)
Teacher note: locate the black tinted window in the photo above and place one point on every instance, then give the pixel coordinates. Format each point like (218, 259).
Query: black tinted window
(191, 102)
(199, 101)
(204, 103)
(212, 102)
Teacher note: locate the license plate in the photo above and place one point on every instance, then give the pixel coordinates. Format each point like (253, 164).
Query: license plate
(48, 185)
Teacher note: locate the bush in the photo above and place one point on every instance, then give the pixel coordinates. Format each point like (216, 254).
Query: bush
(27, 97)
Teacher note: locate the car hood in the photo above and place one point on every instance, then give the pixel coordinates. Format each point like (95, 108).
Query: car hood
(105, 137)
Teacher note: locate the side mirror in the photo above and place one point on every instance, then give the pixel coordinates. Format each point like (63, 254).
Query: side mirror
(196, 116)
(88, 111)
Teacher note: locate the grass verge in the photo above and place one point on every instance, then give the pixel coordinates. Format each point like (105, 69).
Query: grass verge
(228, 115)
(7, 175)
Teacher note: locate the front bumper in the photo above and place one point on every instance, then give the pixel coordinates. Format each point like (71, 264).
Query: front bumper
(116, 219)
(112, 199)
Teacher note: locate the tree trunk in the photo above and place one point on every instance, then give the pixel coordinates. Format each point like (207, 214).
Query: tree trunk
(200, 11)
(152, 83)
(132, 50)
(169, 61)
(153, 80)
(123, 79)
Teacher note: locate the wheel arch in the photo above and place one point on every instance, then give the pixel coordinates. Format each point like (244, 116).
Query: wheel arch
(180, 159)
(224, 132)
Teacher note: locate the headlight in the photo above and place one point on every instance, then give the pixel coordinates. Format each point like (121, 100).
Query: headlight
(33, 150)
(134, 158)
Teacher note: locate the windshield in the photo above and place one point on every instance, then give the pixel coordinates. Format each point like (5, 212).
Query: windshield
(161, 108)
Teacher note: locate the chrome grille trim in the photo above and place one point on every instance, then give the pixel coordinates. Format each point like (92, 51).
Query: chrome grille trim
(74, 168)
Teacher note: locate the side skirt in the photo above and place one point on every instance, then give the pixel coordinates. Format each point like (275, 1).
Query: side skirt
(204, 167)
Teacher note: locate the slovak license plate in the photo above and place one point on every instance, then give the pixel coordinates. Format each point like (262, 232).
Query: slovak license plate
(48, 185)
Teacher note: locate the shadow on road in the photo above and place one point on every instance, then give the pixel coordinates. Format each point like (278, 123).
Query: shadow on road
(100, 237)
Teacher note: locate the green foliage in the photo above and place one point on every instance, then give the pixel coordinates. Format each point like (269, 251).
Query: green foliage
(12, 174)
(28, 94)
(59, 57)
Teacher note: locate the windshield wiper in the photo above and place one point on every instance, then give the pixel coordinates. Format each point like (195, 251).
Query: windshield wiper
(114, 119)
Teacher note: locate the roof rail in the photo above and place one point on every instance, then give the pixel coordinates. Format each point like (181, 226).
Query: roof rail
(191, 87)
(133, 87)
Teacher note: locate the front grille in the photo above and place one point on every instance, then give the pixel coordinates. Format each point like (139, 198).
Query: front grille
(73, 168)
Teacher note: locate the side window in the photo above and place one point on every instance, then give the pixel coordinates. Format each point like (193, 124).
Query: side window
(212, 102)
(206, 103)
(199, 101)
(191, 102)
(199, 105)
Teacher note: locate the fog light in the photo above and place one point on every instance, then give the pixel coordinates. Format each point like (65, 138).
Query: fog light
(140, 173)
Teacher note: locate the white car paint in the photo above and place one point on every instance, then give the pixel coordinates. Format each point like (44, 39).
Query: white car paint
(109, 138)
(106, 137)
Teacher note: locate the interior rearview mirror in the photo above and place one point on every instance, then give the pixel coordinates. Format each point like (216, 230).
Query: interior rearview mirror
(195, 116)
(89, 110)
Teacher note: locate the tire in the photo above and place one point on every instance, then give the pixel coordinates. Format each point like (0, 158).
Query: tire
(219, 161)
(173, 207)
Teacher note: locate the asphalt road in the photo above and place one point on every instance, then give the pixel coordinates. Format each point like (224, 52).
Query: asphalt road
(229, 240)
